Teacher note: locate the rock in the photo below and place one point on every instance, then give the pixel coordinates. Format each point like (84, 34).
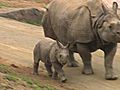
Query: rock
(28, 15)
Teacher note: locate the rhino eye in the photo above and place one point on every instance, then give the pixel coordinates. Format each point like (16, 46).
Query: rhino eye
(118, 33)
(60, 55)
(110, 26)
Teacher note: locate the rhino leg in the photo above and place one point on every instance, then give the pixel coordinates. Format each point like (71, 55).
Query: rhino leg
(36, 55)
(49, 69)
(35, 68)
(55, 75)
(86, 58)
(72, 62)
(109, 55)
(59, 70)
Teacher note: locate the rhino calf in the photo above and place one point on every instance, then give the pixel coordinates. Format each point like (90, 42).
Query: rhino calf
(53, 54)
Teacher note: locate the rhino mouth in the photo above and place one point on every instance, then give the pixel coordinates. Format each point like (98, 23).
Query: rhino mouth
(117, 38)
(63, 63)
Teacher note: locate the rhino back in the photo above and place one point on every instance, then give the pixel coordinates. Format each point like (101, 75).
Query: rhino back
(61, 13)
(67, 6)
(45, 46)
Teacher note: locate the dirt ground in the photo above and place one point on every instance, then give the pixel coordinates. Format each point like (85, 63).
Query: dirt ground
(7, 5)
(24, 3)
(16, 45)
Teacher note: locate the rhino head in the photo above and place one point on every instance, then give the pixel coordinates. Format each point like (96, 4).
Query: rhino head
(62, 54)
(109, 25)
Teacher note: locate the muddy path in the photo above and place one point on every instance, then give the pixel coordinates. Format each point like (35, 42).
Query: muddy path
(16, 44)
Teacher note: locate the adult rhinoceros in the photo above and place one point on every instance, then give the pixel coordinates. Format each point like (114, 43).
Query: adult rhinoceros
(87, 25)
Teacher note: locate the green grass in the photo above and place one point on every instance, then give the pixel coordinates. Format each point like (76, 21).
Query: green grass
(11, 78)
(34, 22)
(11, 75)
(2, 5)
(5, 69)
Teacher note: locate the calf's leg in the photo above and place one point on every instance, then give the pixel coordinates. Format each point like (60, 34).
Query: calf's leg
(59, 70)
(35, 68)
(54, 75)
(36, 56)
(49, 68)
(72, 62)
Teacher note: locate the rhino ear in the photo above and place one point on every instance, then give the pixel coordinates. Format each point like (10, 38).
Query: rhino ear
(104, 9)
(115, 7)
(67, 45)
(59, 44)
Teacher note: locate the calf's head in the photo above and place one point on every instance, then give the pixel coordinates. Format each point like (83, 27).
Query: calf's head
(62, 53)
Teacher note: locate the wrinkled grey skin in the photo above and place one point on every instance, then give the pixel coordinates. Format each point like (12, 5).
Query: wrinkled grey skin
(87, 26)
(52, 54)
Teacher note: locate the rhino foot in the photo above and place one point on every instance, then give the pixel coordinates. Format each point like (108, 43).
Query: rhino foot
(73, 64)
(54, 76)
(35, 73)
(63, 79)
(87, 72)
(111, 76)
(50, 74)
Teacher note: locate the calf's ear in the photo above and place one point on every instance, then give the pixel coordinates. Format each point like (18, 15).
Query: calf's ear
(59, 44)
(67, 45)
(104, 8)
(115, 7)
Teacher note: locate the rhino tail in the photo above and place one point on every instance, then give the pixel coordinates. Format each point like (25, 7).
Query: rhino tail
(36, 53)
(47, 27)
